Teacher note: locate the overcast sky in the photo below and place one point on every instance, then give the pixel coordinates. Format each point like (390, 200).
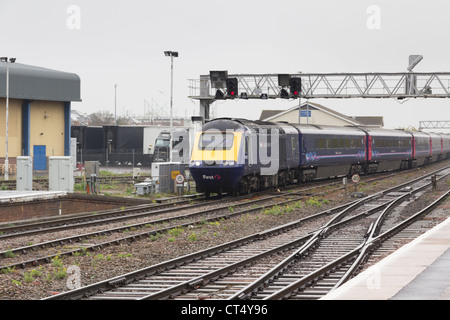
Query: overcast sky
(122, 42)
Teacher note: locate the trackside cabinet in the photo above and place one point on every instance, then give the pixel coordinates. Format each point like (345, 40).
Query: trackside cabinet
(24, 174)
(60, 174)
(164, 174)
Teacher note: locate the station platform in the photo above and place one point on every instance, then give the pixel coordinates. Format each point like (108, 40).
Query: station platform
(420, 270)
(12, 196)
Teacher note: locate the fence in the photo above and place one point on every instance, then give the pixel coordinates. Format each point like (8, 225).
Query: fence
(121, 157)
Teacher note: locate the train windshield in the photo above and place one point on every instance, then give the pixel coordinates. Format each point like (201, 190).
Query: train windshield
(216, 141)
(162, 142)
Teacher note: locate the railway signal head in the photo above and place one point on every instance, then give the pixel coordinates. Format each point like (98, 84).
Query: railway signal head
(219, 94)
(232, 87)
(295, 86)
(284, 94)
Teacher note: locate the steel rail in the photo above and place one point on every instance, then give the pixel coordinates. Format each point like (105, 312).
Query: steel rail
(359, 253)
(311, 241)
(106, 285)
(374, 240)
(62, 223)
(112, 215)
(77, 238)
(246, 292)
(360, 201)
(80, 237)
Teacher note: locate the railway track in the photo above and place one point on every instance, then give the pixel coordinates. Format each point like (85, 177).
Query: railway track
(268, 265)
(20, 229)
(329, 277)
(162, 220)
(165, 217)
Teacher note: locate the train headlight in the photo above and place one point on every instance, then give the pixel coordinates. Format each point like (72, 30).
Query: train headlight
(198, 163)
(229, 163)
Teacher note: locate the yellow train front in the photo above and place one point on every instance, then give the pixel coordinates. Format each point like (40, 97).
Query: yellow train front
(218, 161)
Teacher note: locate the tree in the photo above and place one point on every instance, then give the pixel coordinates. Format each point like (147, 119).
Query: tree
(101, 118)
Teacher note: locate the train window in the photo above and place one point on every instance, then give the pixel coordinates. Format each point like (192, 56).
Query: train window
(392, 143)
(334, 143)
(293, 143)
(406, 143)
(247, 146)
(320, 143)
(355, 143)
(216, 141)
(162, 143)
(347, 143)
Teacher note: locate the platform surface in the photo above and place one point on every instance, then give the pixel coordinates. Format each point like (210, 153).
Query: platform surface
(420, 270)
(9, 196)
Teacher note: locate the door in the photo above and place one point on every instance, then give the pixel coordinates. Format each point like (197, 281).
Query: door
(40, 160)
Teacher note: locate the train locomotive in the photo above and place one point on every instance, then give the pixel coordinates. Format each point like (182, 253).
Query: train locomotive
(238, 156)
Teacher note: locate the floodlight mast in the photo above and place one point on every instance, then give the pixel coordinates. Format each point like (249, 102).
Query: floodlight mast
(7, 61)
(171, 54)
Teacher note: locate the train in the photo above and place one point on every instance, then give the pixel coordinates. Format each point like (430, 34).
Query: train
(180, 146)
(129, 145)
(238, 156)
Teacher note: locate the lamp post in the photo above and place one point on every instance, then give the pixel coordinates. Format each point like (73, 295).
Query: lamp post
(115, 104)
(171, 54)
(11, 60)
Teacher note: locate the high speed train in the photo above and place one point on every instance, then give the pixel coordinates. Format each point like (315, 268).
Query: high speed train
(238, 156)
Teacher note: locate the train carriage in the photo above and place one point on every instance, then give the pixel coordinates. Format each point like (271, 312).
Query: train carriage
(329, 151)
(436, 147)
(445, 145)
(216, 158)
(237, 155)
(291, 148)
(388, 149)
(421, 149)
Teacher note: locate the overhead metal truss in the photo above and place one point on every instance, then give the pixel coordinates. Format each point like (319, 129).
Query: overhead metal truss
(398, 85)
(434, 125)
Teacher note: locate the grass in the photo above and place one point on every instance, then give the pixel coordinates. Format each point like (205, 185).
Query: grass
(288, 208)
(9, 254)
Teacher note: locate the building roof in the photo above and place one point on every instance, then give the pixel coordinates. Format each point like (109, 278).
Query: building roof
(266, 114)
(269, 115)
(37, 83)
(371, 121)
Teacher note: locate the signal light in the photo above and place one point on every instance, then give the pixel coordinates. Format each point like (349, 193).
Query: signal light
(219, 94)
(232, 87)
(295, 85)
(284, 94)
